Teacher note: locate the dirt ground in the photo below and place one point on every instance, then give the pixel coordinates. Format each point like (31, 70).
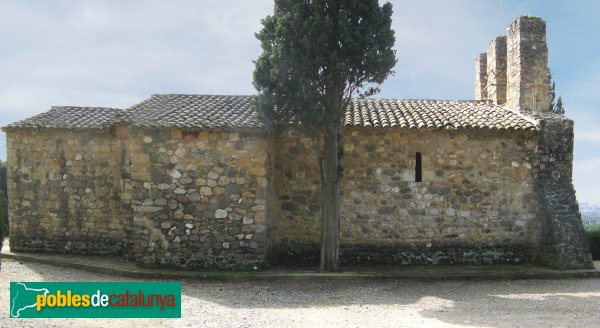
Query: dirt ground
(343, 303)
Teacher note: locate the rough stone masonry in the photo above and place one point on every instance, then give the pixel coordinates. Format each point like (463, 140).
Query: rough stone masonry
(197, 182)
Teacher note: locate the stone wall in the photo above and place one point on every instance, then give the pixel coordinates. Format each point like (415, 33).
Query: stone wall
(245, 199)
(496, 70)
(199, 198)
(294, 225)
(64, 195)
(477, 201)
(565, 243)
(527, 65)
(481, 77)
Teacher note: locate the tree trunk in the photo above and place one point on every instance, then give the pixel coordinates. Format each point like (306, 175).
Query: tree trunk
(330, 215)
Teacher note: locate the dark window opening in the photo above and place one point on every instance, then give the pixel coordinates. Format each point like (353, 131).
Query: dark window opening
(418, 170)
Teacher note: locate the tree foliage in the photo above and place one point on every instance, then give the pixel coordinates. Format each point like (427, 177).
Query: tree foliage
(316, 55)
(556, 106)
(593, 235)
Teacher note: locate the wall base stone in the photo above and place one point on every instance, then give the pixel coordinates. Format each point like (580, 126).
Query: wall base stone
(198, 262)
(296, 255)
(567, 245)
(81, 247)
(293, 254)
(470, 255)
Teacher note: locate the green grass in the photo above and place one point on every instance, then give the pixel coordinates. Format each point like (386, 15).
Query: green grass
(593, 234)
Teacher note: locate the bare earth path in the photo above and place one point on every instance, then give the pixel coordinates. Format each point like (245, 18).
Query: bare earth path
(346, 303)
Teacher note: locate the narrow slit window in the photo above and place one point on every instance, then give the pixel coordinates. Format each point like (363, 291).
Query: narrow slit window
(418, 168)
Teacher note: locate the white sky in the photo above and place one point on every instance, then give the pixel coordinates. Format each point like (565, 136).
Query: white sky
(117, 53)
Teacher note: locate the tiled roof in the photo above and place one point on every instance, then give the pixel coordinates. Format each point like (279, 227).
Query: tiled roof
(70, 117)
(202, 111)
(433, 114)
(214, 112)
(194, 111)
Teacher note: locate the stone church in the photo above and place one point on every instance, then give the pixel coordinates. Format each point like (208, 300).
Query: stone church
(197, 182)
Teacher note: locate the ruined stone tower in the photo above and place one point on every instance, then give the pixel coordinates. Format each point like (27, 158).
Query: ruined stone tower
(496, 70)
(514, 73)
(481, 77)
(514, 70)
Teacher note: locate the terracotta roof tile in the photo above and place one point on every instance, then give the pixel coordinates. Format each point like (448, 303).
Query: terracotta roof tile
(70, 117)
(214, 112)
(194, 111)
(433, 114)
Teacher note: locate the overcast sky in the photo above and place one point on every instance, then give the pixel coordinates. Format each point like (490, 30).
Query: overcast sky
(117, 53)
